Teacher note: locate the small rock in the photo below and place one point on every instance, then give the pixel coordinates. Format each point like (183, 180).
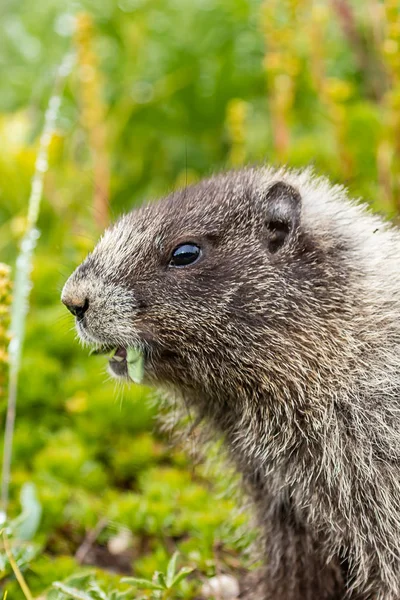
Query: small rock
(120, 542)
(222, 587)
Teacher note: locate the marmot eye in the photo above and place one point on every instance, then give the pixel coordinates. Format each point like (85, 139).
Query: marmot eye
(185, 254)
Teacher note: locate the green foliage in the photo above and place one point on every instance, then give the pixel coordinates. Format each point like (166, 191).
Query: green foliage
(86, 587)
(163, 585)
(108, 489)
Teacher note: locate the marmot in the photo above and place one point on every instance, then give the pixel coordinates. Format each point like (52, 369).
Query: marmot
(270, 302)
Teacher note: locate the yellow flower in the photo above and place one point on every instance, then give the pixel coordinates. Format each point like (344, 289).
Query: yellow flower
(5, 303)
(93, 113)
(235, 122)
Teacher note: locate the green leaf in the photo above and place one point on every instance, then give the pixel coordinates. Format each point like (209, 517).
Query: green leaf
(79, 580)
(143, 584)
(55, 595)
(71, 592)
(171, 569)
(116, 595)
(26, 525)
(160, 577)
(183, 573)
(98, 591)
(135, 362)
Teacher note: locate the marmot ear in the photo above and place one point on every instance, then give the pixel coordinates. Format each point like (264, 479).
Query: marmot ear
(283, 209)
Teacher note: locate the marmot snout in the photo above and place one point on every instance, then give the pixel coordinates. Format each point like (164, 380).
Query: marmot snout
(270, 302)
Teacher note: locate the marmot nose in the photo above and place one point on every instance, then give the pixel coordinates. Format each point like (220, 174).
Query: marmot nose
(78, 309)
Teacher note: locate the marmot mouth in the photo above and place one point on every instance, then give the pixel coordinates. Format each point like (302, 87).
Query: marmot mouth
(118, 362)
(120, 355)
(124, 362)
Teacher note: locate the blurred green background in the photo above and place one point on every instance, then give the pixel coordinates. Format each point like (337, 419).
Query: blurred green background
(163, 92)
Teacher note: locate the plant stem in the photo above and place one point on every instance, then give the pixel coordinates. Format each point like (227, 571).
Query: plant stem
(22, 285)
(18, 575)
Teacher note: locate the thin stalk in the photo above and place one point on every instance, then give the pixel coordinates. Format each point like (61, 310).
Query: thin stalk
(22, 284)
(18, 575)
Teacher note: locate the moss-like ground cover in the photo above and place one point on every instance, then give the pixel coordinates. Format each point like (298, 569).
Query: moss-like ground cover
(163, 93)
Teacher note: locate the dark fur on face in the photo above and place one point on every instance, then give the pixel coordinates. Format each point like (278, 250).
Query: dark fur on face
(285, 335)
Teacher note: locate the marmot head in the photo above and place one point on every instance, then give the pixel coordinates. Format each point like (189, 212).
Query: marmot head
(228, 284)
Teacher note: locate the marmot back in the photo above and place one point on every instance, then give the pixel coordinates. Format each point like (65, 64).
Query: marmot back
(270, 303)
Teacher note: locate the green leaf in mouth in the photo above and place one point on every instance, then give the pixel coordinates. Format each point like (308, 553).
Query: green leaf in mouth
(135, 362)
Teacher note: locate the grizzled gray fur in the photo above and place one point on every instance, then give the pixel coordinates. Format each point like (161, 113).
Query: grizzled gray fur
(285, 336)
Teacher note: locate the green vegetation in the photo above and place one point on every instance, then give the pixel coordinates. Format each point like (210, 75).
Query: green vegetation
(162, 93)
